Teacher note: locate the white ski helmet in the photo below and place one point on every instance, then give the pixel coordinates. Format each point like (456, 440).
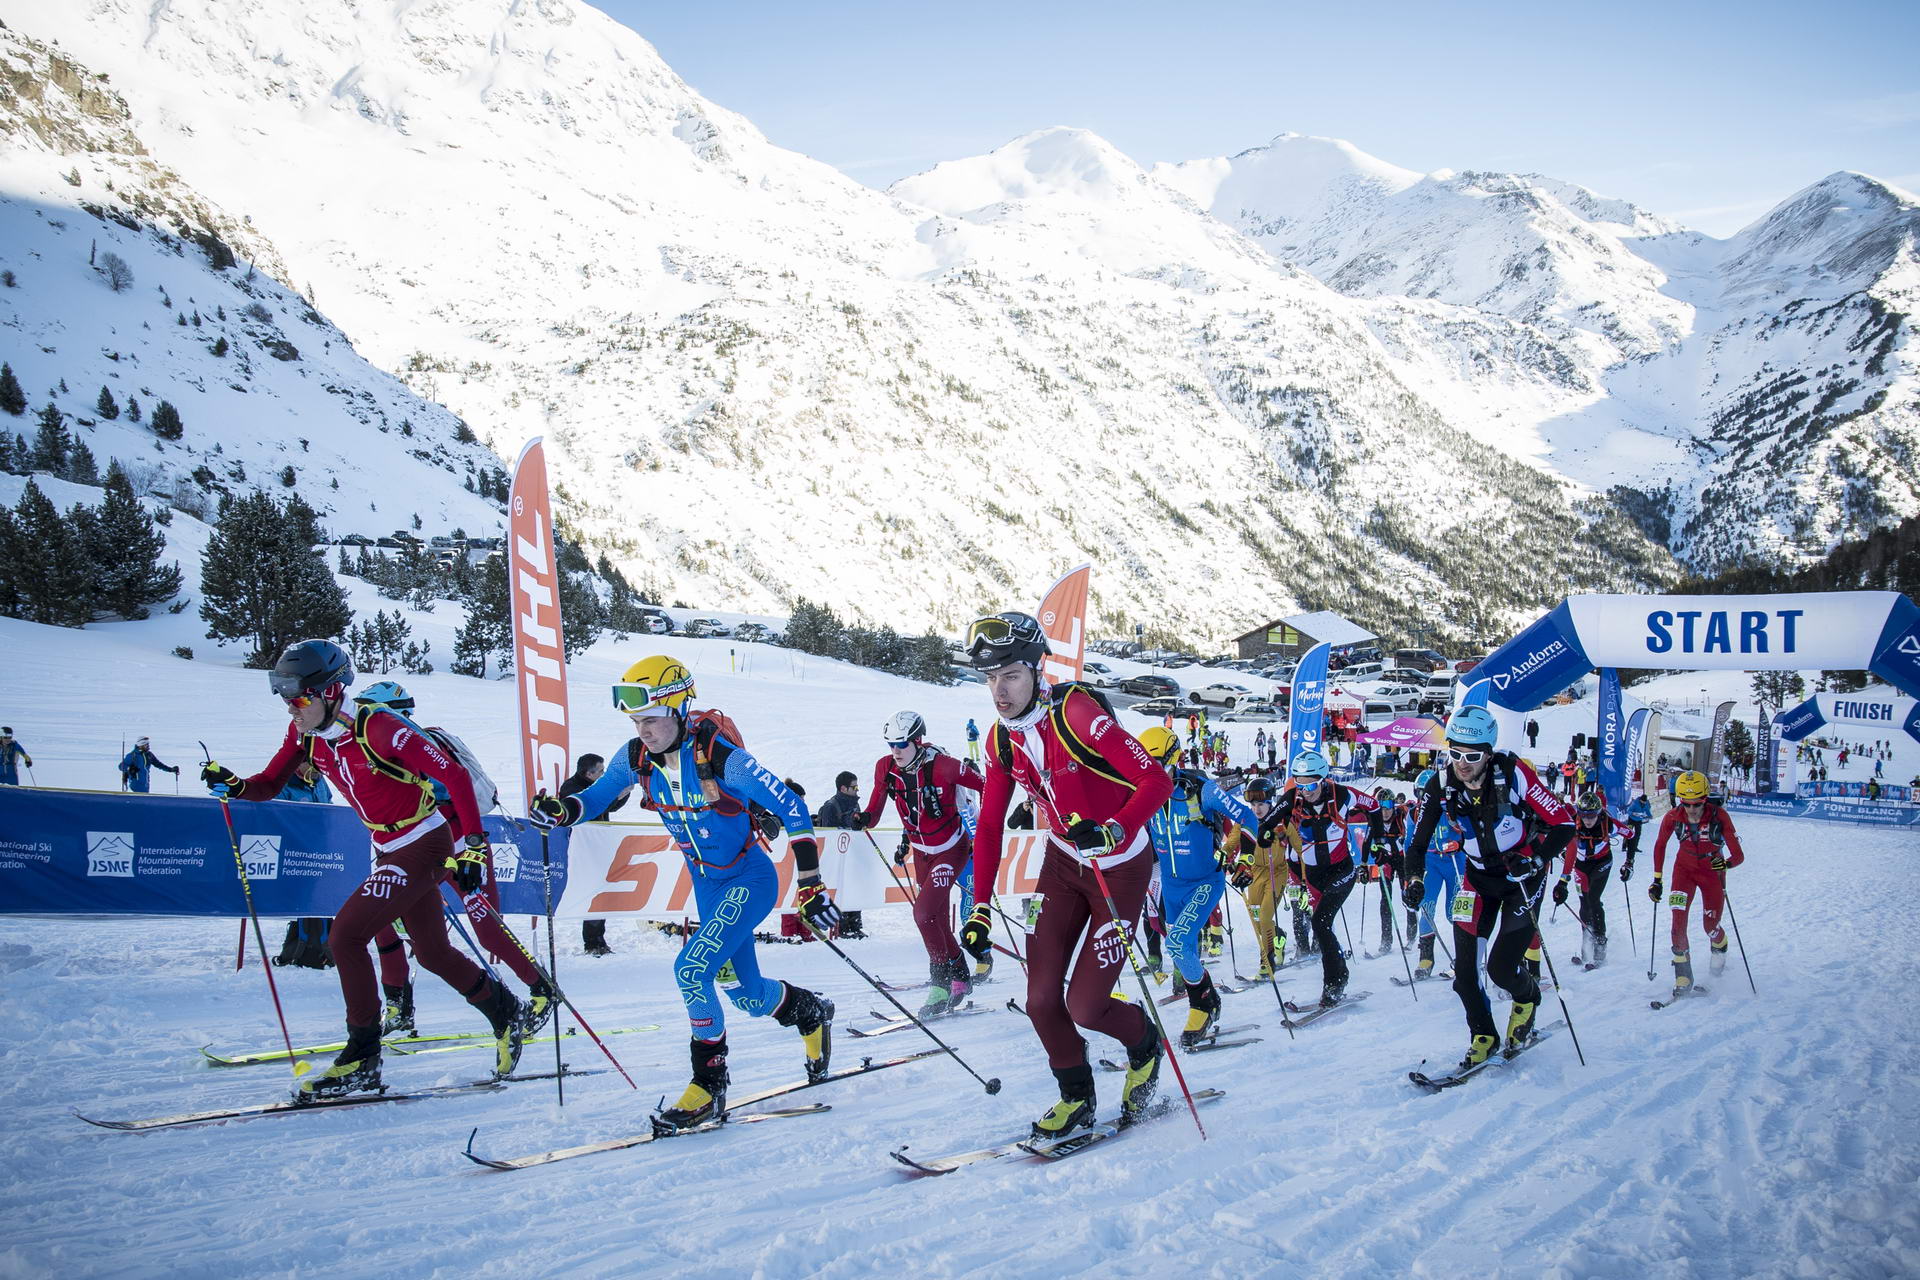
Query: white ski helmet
(904, 729)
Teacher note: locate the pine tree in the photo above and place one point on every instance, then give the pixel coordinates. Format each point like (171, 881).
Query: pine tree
(488, 629)
(166, 422)
(81, 468)
(582, 616)
(13, 399)
(105, 405)
(55, 584)
(51, 442)
(14, 563)
(7, 463)
(261, 581)
(133, 409)
(126, 550)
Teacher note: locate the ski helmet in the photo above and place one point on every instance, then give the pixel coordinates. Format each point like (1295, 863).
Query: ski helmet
(385, 693)
(904, 729)
(654, 686)
(1310, 764)
(1473, 726)
(1591, 802)
(1162, 743)
(310, 667)
(1691, 785)
(1258, 791)
(1426, 776)
(1004, 638)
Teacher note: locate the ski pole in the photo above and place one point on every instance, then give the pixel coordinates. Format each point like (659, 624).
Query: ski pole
(1233, 954)
(1405, 963)
(1628, 894)
(1272, 979)
(991, 1086)
(902, 885)
(1151, 1005)
(1546, 955)
(453, 918)
(1013, 947)
(1653, 938)
(300, 1066)
(482, 904)
(240, 951)
(1736, 933)
(546, 894)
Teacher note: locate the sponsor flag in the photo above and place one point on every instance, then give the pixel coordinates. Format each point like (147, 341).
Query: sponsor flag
(1063, 616)
(1717, 754)
(1611, 735)
(540, 656)
(1658, 801)
(1308, 702)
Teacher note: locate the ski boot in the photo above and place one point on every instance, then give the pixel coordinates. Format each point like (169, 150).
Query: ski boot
(983, 966)
(1156, 968)
(1597, 953)
(356, 1069)
(1075, 1110)
(594, 934)
(537, 1009)
(705, 1098)
(1520, 1026)
(959, 981)
(1682, 974)
(1478, 1051)
(1425, 968)
(396, 1019)
(1717, 955)
(811, 1014)
(1142, 1081)
(504, 1012)
(939, 991)
(1332, 993)
(1203, 1015)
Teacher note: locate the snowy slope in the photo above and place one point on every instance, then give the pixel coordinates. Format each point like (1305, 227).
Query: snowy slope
(287, 388)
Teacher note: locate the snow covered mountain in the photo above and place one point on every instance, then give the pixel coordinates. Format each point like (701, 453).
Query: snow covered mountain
(1757, 388)
(761, 380)
(269, 392)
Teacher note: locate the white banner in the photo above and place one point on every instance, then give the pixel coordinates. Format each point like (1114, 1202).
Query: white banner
(1815, 629)
(635, 869)
(1860, 710)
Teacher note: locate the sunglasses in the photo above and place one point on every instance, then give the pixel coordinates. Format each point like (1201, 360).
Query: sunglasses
(300, 702)
(1466, 757)
(1693, 804)
(899, 746)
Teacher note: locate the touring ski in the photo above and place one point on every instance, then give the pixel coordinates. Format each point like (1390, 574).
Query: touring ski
(1026, 1146)
(1678, 996)
(1500, 1057)
(1446, 976)
(895, 1023)
(1304, 1014)
(287, 1106)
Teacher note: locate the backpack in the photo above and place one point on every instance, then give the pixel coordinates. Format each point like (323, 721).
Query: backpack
(486, 796)
(306, 944)
(1084, 754)
(706, 726)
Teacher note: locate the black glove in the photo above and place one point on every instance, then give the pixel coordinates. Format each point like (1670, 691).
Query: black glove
(1094, 837)
(1413, 892)
(1269, 825)
(173, 769)
(977, 934)
(1655, 889)
(1626, 870)
(218, 775)
(470, 865)
(900, 854)
(1560, 891)
(1520, 864)
(1380, 851)
(816, 904)
(859, 820)
(548, 812)
(1242, 875)
(1718, 862)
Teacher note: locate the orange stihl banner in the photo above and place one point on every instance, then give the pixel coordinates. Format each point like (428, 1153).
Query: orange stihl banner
(1063, 616)
(539, 655)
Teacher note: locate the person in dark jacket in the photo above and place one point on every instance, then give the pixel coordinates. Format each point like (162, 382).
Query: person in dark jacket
(137, 766)
(11, 756)
(586, 772)
(306, 786)
(840, 807)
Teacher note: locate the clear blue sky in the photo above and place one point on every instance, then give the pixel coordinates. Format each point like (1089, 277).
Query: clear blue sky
(1708, 112)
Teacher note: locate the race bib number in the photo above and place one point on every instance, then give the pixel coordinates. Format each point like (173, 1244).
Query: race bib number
(1678, 900)
(1463, 904)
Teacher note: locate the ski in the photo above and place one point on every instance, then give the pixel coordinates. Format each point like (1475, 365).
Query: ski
(1435, 1084)
(1445, 976)
(400, 1046)
(620, 1144)
(937, 1165)
(728, 1116)
(1078, 1141)
(288, 1107)
(891, 1024)
(1206, 1046)
(568, 1034)
(1676, 999)
(1308, 1014)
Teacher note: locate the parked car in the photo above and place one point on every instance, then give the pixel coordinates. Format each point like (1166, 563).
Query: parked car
(753, 632)
(1376, 713)
(1420, 659)
(1150, 686)
(656, 624)
(1099, 675)
(356, 540)
(1401, 697)
(1156, 707)
(707, 627)
(1405, 675)
(1222, 695)
(1359, 672)
(1253, 709)
(966, 675)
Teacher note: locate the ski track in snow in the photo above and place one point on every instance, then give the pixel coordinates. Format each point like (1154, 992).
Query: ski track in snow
(1732, 1136)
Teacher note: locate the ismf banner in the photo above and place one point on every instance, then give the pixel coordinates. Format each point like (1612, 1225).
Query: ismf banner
(1309, 700)
(539, 649)
(1063, 616)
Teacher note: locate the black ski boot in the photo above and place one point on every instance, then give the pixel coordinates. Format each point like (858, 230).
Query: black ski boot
(356, 1069)
(593, 935)
(396, 1018)
(1332, 993)
(1425, 968)
(706, 1094)
(1075, 1110)
(1203, 1014)
(1142, 1082)
(537, 1009)
(811, 1014)
(504, 1012)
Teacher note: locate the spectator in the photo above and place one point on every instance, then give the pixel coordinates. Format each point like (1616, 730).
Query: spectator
(1020, 818)
(137, 766)
(840, 807)
(1533, 733)
(587, 771)
(307, 787)
(973, 749)
(11, 754)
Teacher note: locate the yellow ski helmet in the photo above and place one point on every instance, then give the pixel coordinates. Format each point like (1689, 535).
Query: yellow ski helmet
(1162, 743)
(655, 685)
(1691, 785)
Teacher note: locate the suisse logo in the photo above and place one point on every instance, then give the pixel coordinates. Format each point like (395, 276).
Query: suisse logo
(110, 853)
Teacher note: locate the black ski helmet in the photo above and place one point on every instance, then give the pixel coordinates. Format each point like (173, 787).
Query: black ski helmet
(1003, 638)
(310, 666)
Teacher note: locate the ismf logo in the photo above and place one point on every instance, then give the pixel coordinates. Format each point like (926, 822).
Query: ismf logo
(261, 854)
(110, 853)
(506, 862)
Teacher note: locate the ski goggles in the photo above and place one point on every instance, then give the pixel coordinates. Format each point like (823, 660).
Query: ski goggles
(995, 631)
(1467, 756)
(900, 746)
(642, 700)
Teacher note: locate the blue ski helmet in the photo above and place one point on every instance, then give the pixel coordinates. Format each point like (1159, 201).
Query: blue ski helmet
(1310, 764)
(1473, 726)
(385, 693)
(1420, 783)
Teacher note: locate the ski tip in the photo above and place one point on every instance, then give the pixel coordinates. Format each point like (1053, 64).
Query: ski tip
(470, 1137)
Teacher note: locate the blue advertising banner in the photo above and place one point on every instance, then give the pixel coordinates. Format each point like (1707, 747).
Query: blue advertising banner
(1309, 702)
(65, 852)
(1868, 813)
(1863, 710)
(1536, 664)
(1612, 753)
(1636, 748)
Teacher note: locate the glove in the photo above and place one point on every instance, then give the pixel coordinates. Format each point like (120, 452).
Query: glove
(859, 820)
(470, 865)
(1242, 875)
(976, 935)
(816, 904)
(1094, 837)
(900, 854)
(1655, 889)
(548, 812)
(1520, 864)
(1560, 892)
(173, 769)
(1380, 851)
(1412, 893)
(219, 776)
(1718, 862)
(1626, 870)
(1268, 825)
